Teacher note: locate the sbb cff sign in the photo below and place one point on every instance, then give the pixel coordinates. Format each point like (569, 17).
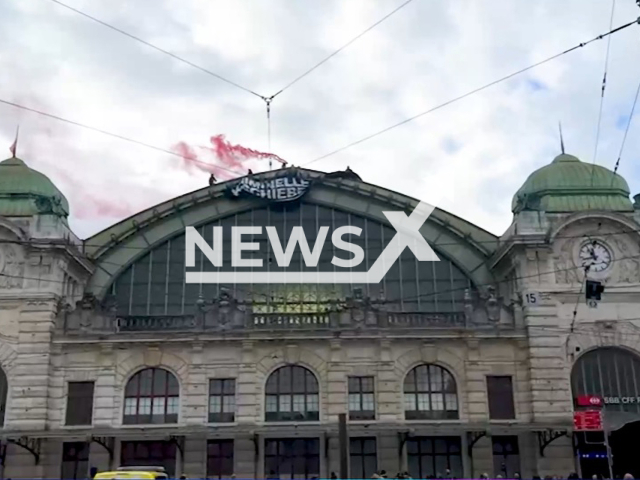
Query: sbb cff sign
(589, 420)
(589, 401)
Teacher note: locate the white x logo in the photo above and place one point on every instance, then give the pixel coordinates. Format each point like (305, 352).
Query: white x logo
(407, 235)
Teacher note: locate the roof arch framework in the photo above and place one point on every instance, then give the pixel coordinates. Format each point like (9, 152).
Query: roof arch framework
(116, 249)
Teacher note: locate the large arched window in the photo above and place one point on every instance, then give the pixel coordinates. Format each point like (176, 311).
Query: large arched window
(610, 373)
(430, 394)
(151, 396)
(4, 387)
(292, 395)
(153, 284)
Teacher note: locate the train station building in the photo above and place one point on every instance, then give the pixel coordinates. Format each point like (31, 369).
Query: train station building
(477, 363)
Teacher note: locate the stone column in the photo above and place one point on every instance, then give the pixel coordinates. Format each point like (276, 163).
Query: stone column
(244, 456)
(195, 392)
(336, 398)
(247, 392)
(29, 389)
(104, 410)
(194, 458)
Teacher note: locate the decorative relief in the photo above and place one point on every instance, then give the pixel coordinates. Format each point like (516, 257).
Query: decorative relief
(628, 268)
(89, 315)
(11, 267)
(227, 313)
(567, 272)
(223, 313)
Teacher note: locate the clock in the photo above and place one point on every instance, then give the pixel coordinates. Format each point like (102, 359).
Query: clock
(595, 255)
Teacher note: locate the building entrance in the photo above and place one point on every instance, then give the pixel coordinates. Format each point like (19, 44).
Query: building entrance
(624, 450)
(607, 379)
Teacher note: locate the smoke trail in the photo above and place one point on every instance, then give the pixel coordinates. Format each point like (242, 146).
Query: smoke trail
(233, 158)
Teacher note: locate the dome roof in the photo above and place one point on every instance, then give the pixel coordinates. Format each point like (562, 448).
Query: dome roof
(569, 185)
(25, 192)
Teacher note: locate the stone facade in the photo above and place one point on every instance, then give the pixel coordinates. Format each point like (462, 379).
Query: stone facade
(57, 326)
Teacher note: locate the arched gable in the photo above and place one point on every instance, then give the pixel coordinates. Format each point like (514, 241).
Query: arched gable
(116, 248)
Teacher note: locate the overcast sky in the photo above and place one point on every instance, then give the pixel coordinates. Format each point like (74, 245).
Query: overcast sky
(481, 148)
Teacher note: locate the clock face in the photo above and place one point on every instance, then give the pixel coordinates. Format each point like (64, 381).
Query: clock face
(596, 256)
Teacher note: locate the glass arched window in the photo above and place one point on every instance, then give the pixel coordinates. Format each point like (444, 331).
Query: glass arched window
(4, 387)
(430, 393)
(151, 396)
(291, 394)
(610, 373)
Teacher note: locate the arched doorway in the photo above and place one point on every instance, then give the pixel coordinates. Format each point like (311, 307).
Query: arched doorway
(612, 375)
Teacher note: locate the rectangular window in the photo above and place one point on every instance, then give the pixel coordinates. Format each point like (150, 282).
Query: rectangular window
(291, 458)
(506, 456)
(363, 457)
(80, 403)
(500, 393)
(75, 460)
(222, 400)
(431, 456)
(362, 405)
(219, 458)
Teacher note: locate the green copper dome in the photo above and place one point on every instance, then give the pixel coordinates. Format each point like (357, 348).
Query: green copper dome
(569, 185)
(25, 192)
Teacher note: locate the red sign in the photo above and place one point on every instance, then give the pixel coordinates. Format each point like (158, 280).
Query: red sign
(589, 401)
(587, 420)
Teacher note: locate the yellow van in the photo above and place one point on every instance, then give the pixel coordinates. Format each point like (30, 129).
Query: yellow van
(130, 473)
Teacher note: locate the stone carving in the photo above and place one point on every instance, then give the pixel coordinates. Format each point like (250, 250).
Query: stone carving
(49, 205)
(89, 315)
(565, 267)
(628, 268)
(492, 305)
(11, 267)
(359, 310)
(223, 313)
(468, 306)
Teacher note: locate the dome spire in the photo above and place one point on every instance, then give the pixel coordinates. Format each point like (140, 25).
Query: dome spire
(14, 145)
(561, 138)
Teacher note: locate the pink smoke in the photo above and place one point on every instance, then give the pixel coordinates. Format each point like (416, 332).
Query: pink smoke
(232, 158)
(86, 205)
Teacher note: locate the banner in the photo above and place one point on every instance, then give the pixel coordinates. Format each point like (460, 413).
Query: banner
(283, 188)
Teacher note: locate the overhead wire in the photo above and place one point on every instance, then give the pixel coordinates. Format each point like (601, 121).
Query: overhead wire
(430, 294)
(329, 57)
(626, 132)
(604, 86)
(436, 245)
(155, 47)
(471, 92)
(118, 136)
(267, 99)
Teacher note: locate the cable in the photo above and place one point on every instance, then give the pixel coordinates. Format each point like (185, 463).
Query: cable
(416, 297)
(472, 92)
(607, 235)
(489, 284)
(144, 42)
(361, 34)
(575, 308)
(115, 135)
(626, 131)
(604, 86)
